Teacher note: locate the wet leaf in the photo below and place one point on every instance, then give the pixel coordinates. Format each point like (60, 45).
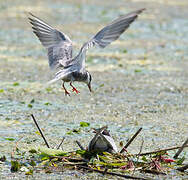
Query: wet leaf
(180, 161)
(137, 70)
(47, 103)
(144, 158)
(16, 84)
(15, 166)
(37, 132)
(81, 152)
(84, 124)
(124, 51)
(30, 172)
(10, 139)
(44, 157)
(52, 152)
(69, 133)
(30, 105)
(32, 151)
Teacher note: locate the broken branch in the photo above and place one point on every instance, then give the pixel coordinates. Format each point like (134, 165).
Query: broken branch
(40, 130)
(161, 150)
(180, 149)
(111, 173)
(130, 141)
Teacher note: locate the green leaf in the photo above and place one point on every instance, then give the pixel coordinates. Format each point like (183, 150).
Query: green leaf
(84, 124)
(180, 161)
(32, 151)
(49, 89)
(47, 103)
(69, 133)
(10, 139)
(81, 152)
(30, 105)
(15, 166)
(30, 172)
(52, 152)
(125, 51)
(144, 158)
(101, 85)
(137, 70)
(1, 90)
(16, 84)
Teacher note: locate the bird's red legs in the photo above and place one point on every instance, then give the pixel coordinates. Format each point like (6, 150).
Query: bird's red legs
(74, 89)
(66, 92)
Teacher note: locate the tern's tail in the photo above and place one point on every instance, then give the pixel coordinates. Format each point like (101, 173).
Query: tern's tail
(60, 75)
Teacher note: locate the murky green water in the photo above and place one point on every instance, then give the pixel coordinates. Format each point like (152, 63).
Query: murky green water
(138, 81)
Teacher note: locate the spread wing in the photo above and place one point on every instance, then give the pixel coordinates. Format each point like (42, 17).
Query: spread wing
(58, 44)
(112, 31)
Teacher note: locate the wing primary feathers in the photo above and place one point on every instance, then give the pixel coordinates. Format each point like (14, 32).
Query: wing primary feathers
(112, 31)
(58, 44)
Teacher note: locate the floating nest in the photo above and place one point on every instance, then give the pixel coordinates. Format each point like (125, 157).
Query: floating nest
(122, 163)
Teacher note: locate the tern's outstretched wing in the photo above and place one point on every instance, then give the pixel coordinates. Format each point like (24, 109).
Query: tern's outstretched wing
(112, 31)
(58, 44)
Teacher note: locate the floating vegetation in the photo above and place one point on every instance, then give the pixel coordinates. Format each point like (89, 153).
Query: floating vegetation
(122, 163)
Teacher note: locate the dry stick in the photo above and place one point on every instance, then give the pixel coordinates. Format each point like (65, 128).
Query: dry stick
(161, 150)
(181, 149)
(111, 173)
(61, 143)
(152, 171)
(40, 130)
(130, 141)
(12, 153)
(139, 154)
(183, 168)
(79, 144)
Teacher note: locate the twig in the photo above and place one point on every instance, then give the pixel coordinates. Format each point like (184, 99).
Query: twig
(139, 154)
(141, 147)
(79, 144)
(183, 168)
(130, 141)
(105, 170)
(16, 145)
(40, 130)
(111, 173)
(180, 149)
(61, 143)
(161, 150)
(153, 171)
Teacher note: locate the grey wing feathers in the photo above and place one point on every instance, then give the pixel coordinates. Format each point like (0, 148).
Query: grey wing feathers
(112, 31)
(58, 44)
